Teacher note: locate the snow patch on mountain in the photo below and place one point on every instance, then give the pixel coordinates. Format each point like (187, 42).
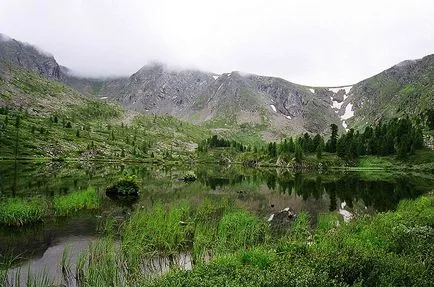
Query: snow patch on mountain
(346, 88)
(344, 124)
(348, 112)
(337, 105)
(334, 90)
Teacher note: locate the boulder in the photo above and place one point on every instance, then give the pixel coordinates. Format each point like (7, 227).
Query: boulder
(283, 216)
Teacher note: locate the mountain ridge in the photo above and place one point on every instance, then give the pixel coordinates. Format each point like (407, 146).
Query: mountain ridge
(272, 106)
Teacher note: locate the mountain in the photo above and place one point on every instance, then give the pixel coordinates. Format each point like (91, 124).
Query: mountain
(272, 106)
(42, 117)
(29, 57)
(406, 89)
(244, 105)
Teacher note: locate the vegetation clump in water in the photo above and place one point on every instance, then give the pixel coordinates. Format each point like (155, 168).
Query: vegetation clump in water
(74, 201)
(19, 211)
(190, 177)
(126, 187)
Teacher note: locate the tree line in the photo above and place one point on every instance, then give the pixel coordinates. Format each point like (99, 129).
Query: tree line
(399, 137)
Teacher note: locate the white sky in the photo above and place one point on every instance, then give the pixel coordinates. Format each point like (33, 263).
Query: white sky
(307, 42)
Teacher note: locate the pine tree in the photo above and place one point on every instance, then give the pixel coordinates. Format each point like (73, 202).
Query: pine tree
(315, 141)
(319, 149)
(430, 119)
(306, 143)
(341, 146)
(332, 143)
(291, 145)
(298, 152)
(417, 138)
(17, 127)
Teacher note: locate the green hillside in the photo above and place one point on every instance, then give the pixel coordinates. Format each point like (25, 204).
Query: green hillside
(44, 118)
(405, 89)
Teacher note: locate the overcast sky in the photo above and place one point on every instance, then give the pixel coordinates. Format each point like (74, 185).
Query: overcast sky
(307, 42)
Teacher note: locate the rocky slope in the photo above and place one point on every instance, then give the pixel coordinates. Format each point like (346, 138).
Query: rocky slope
(29, 57)
(270, 104)
(271, 107)
(405, 89)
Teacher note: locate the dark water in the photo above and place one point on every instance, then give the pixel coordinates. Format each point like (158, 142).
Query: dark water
(261, 191)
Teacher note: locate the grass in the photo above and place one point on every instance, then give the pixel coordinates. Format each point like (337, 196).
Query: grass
(240, 230)
(205, 229)
(74, 201)
(387, 249)
(19, 211)
(160, 230)
(421, 160)
(326, 221)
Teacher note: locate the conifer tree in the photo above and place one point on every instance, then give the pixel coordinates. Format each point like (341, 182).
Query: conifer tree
(332, 143)
(298, 152)
(319, 148)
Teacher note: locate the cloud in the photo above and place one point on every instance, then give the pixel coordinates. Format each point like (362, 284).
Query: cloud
(308, 42)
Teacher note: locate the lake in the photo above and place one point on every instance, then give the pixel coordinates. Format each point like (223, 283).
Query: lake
(263, 192)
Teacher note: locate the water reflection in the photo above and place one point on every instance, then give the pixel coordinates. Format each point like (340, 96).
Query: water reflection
(381, 195)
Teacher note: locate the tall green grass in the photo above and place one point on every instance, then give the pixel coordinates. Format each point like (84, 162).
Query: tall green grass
(15, 279)
(204, 230)
(240, 230)
(159, 230)
(388, 249)
(19, 211)
(74, 201)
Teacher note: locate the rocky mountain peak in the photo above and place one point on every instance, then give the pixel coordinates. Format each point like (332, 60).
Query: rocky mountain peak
(29, 57)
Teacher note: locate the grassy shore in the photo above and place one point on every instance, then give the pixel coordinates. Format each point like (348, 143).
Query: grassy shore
(387, 249)
(19, 211)
(78, 200)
